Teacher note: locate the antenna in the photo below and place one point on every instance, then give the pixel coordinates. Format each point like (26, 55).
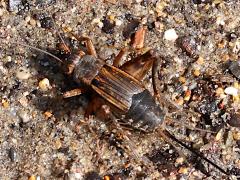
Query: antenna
(38, 49)
(168, 134)
(59, 35)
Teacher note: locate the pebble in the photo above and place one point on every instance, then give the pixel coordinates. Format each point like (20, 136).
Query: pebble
(5, 103)
(23, 74)
(58, 144)
(27, 19)
(187, 95)
(33, 22)
(23, 101)
(196, 72)
(44, 84)
(170, 35)
(12, 154)
(180, 160)
(48, 114)
(1, 11)
(235, 120)
(183, 170)
(219, 135)
(231, 91)
(23, 116)
(235, 68)
(32, 178)
(182, 79)
(236, 136)
(118, 22)
(98, 22)
(219, 91)
(13, 4)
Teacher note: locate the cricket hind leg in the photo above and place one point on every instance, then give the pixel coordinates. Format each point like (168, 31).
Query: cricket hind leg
(198, 154)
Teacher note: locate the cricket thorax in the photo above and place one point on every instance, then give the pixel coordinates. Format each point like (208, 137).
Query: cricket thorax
(87, 68)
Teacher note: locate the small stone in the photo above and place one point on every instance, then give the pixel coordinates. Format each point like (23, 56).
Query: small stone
(200, 60)
(44, 84)
(235, 68)
(23, 74)
(219, 91)
(12, 154)
(32, 178)
(23, 116)
(236, 136)
(170, 35)
(118, 22)
(112, 17)
(235, 120)
(196, 72)
(23, 101)
(108, 26)
(58, 144)
(187, 95)
(180, 101)
(180, 160)
(27, 19)
(1, 11)
(33, 22)
(219, 135)
(183, 170)
(5, 103)
(48, 114)
(182, 79)
(13, 5)
(231, 91)
(220, 21)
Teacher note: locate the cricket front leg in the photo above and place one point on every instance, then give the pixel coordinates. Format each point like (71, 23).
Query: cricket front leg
(89, 45)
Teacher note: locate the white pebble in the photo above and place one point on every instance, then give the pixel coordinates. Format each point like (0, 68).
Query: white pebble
(118, 22)
(170, 35)
(27, 19)
(1, 11)
(23, 116)
(231, 91)
(23, 73)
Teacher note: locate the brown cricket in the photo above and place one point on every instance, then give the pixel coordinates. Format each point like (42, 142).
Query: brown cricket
(120, 86)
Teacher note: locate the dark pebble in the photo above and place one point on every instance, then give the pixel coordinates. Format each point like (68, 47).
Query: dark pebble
(9, 64)
(42, 3)
(235, 171)
(235, 68)
(232, 36)
(188, 45)
(108, 26)
(234, 120)
(202, 1)
(12, 154)
(92, 176)
(129, 17)
(130, 29)
(46, 23)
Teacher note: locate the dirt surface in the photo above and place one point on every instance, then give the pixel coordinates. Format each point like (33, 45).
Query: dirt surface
(44, 136)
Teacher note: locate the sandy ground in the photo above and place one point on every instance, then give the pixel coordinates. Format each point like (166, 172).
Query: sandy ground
(44, 136)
